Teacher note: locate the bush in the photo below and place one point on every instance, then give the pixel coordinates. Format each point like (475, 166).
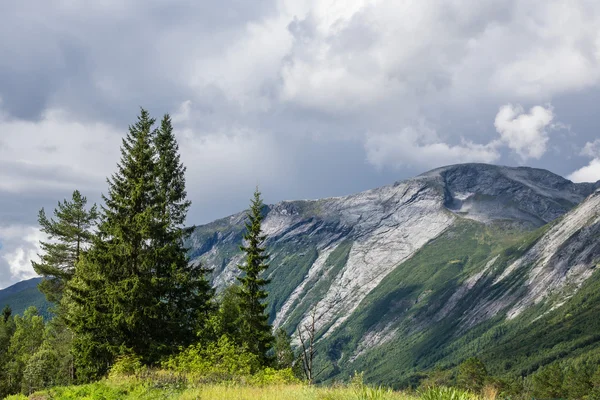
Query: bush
(17, 397)
(213, 362)
(435, 378)
(270, 376)
(548, 382)
(126, 365)
(41, 371)
(472, 375)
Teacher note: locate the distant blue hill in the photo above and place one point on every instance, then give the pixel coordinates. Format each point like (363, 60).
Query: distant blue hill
(25, 294)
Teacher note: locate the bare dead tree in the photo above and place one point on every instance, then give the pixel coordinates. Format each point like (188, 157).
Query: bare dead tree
(307, 334)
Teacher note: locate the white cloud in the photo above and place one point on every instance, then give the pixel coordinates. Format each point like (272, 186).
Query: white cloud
(525, 133)
(19, 245)
(432, 51)
(591, 149)
(268, 75)
(423, 147)
(555, 48)
(227, 159)
(591, 172)
(55, 152)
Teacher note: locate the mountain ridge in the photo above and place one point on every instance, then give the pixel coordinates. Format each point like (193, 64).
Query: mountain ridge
(463, 260)
(339, 254)
(24, 294)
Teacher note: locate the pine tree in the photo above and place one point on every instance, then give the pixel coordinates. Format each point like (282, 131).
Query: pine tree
(548, 382)
(472, 374)
(111, 298)
(256, 330)
(71, 234)
(7, 329)
(184, 286)
(171, 179)
(135, 291)
(284, 355)
(6, 313)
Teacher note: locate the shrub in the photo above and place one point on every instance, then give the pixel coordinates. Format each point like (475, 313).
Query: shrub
(270, 376)
(126, 365)
(219, 361)
(41, 370)
(548, 382)
(472, 375)
(17, 397)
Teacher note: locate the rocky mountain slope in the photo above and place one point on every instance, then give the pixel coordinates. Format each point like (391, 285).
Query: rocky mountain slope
(421, 264)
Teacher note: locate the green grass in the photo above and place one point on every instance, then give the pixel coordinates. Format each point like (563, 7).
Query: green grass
(133, 388)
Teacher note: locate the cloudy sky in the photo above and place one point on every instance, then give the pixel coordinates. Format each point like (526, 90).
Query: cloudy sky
(308, 98)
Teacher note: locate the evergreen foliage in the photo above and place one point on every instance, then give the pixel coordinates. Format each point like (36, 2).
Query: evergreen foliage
(34, 355)
(472, 375)
(256, 330)
(227, 318)
(135, 291)
(25, 341)
(7, 329)
(70, 232)
(548, 382)
(284, 355)
(6, 313)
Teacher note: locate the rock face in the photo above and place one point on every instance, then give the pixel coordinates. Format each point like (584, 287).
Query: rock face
(335, 254)
(563, 258)
(527, 195)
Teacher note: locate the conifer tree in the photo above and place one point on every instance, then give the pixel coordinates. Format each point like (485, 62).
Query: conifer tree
(7, 329)
(171, 179)
(135, 291)
(110, 301)
(70, 235)
(256, 330)
(284, 355)
(6, 313)
(184, 286)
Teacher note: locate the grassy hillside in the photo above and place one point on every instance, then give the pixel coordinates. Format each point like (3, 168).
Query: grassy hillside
(402, 329)
(410, 302)
(24, 294)
(111, 389)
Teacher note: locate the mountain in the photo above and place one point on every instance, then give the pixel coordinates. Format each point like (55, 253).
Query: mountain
(24, 294)
(459, 261)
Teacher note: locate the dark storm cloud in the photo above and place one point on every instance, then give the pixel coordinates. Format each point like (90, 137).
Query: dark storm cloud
(308, 98)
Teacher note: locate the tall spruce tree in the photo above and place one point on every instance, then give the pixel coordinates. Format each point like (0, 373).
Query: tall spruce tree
(256, 331)
(6, 313)
(186, 292)
(135, 291)
(70, 234)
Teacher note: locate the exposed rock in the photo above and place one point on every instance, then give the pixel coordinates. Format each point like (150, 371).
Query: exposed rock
(388, 225)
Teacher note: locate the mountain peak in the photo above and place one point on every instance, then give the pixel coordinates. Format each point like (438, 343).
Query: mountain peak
(486, 192)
